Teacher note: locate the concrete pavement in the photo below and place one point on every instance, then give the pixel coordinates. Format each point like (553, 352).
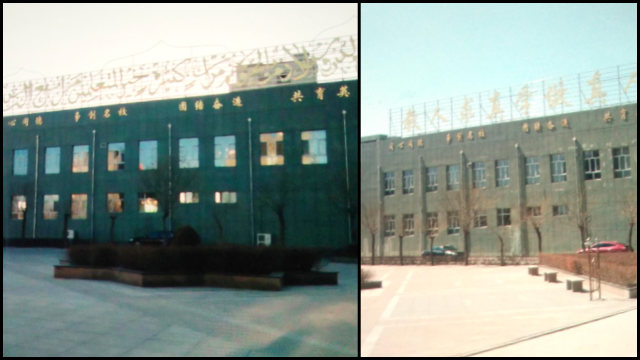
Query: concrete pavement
(457, 310)
(43, 316)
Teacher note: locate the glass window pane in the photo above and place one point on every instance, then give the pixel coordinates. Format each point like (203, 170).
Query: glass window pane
(80, 159)
(20, 161)
(115, 202)
(271, 149)
(49, 209)
(18, 207)
(52, 160)
(148, 155)
(315, 147)
(147, 203)
(115, 157)
(78, 206)
(225, 151)
(188, 153)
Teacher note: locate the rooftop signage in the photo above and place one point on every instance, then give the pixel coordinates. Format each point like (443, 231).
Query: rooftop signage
(584, 91)
(324, 60)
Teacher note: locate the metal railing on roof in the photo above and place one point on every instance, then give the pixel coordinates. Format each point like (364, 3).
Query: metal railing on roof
(583, 91)
(332, 59)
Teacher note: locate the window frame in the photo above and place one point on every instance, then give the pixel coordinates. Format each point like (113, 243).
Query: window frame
(592, 169)
(558, 168)
(620, 158)
(502, 173)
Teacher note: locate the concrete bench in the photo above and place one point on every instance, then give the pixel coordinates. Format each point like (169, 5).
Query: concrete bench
(533, 270)
(575, 285)
(550, 276)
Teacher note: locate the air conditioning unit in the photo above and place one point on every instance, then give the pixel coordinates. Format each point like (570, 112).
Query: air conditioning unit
(264, 239)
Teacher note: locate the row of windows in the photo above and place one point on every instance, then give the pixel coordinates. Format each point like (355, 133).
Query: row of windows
(271, 153)
(147, 203)
(503, 218)
(621, 169)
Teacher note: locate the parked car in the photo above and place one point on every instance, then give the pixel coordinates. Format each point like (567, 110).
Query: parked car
(153, 238)
(447, 250)
(605, 247)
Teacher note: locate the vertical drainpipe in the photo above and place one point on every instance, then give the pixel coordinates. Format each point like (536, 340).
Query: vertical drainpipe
(251, 184)
(346, 165)
(35, 189)
(168, 204)
(93, 184)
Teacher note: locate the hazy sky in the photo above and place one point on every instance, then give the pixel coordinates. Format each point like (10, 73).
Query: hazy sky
(413, 53)
(42, 40)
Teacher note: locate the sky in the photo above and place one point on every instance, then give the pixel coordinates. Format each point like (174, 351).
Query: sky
(44, 40)
(414, 53)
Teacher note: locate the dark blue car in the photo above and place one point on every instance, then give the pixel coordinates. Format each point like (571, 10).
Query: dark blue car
(448, 250)
(153, 238)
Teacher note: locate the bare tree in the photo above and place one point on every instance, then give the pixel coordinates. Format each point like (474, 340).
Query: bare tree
(536, 216)
(431, 231)
(466, 209)
(277, 197)
(580, 216)
(369, 219)
(629, 211)
(166, 184)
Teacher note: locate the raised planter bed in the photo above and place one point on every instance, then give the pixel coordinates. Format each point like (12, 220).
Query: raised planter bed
(311, 278)
(370, 285)
(272, 282)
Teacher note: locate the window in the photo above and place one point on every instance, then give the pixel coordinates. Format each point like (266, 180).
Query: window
(78, 206)
(534, 211)
(225, 149)
(148, 155)
(188, 197)
(502, 173)
(314, 144)
(558, 168)
(407, 182)
(147, 203)
(389, 225)
(115, 202)
(560, 210)
(533, 170)
(504, 217)
(407, 224)
(389, 183)
(20, 161)
(432, 179)
(478, 174)
(52, 160)
(115, 157)
(591, 165)
(452, 177)
(18, 207)
(50, 206)
(453, 225)
(80, 159)
(432, 223)
(479, 218)
(225, 197)
(621, 163)
(188, 153)
(272, 149)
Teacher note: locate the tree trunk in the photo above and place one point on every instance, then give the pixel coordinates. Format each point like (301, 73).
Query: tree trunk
(373, 248)
(539, 239)
(466, 247)
(401, 258)
(431, 251)
(501, 250)
(630, 235)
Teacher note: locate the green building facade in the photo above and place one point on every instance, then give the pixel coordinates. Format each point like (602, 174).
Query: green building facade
(261, 161)
(555, 173)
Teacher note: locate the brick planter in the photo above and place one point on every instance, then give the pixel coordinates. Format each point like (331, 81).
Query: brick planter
(370, 285)
(311, 278)
(137, 278)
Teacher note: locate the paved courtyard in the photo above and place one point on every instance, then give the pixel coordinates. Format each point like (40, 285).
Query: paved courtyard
(43, 316)
(490, 311)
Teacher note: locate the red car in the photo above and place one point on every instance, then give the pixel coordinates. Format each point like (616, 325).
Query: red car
(605, 247)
